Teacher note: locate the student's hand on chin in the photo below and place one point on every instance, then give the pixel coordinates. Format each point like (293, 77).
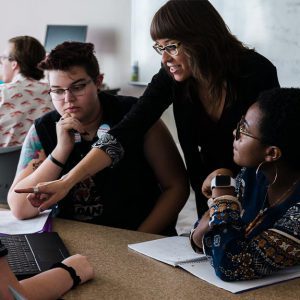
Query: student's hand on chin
(65, 136)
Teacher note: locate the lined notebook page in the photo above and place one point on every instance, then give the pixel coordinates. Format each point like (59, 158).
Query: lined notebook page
(205, 271)
(171, 250)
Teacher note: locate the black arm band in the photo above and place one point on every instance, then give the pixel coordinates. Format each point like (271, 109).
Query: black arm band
(72, 272)
(55, 161)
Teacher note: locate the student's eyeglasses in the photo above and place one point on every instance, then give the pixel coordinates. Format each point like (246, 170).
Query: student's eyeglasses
(3, 57)
(240, 129)
(75, 89)
(171, 49)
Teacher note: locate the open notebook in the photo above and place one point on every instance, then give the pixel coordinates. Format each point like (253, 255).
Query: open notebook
(176, 251)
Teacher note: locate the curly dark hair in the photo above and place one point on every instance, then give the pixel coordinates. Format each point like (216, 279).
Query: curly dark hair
(280, 123)
(28, 52)
(69, 54)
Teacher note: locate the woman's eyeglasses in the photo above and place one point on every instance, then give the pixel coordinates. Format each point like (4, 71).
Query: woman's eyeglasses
(75, 89)
(240, 129)
(171, 49)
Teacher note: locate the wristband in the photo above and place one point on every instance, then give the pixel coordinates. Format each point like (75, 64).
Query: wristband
(193, 245)
(71, 271)
(55, 161)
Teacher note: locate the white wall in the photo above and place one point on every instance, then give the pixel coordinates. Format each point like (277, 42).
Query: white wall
(270, 26)
(30, 17)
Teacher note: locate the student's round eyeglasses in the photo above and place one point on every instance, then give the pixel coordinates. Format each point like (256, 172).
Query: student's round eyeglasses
(171, 49)
(77, 89)
(240, 129)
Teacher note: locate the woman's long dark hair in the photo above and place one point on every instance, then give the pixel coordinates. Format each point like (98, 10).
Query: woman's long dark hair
(211, 48)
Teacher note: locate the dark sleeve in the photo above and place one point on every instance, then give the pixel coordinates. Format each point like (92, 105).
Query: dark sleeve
(235, 257)
(3, 250)
(155, 100)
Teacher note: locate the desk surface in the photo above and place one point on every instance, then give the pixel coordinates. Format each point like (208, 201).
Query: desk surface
(124, 274)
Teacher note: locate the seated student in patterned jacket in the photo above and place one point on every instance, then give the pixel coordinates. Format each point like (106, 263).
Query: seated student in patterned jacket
(144, 192)
(258, 232)
(23, 96)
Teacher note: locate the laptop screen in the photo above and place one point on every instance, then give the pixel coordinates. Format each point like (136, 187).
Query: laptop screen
(57, 34)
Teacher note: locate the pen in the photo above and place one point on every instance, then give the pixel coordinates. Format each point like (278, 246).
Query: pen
(16, 295)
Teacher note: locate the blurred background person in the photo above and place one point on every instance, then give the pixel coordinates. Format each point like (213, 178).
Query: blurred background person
(23, 96)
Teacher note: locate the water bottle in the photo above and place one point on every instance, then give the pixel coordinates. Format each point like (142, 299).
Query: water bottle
(135, 72)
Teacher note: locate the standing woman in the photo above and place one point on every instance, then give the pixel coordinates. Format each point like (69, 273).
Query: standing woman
(210, 77)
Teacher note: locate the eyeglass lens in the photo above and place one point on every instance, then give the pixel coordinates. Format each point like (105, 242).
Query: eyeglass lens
(170, 49)
(75, 90)
(237, 131)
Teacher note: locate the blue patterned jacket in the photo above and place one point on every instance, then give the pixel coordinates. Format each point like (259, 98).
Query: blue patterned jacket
(238, 253)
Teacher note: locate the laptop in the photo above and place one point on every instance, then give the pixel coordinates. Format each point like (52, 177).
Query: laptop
(30, 254)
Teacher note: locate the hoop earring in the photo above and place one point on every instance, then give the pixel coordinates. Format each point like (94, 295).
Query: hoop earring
(276, 173)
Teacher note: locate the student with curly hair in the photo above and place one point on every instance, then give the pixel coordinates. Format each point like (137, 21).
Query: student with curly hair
(252, 228)
(144, 192)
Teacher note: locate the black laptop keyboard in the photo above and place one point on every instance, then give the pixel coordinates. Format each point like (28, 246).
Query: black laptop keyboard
(20, 257)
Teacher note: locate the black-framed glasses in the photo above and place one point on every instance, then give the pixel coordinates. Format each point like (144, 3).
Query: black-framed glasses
(77, 89)
(171, 49)
(240, 129)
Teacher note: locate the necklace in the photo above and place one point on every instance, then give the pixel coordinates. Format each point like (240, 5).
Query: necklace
(259, 218)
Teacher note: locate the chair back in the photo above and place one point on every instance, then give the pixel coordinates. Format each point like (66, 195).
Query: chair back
(9, 158)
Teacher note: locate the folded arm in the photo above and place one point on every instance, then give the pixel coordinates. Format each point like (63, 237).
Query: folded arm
(248, 258)
(34, 167)
(163, 156)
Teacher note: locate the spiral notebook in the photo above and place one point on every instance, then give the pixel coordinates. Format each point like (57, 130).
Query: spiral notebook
(176, 251)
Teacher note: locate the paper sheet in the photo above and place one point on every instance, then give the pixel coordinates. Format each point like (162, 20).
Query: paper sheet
(10, 225)
(171, 250)
(177, 251)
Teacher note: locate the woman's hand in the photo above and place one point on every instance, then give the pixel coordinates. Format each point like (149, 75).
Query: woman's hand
(81, 265)
(201, 229)
(206, 189)
(46, 194)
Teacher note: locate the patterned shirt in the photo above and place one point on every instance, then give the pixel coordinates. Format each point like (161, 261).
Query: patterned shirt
(21, 102)
(239, 251)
